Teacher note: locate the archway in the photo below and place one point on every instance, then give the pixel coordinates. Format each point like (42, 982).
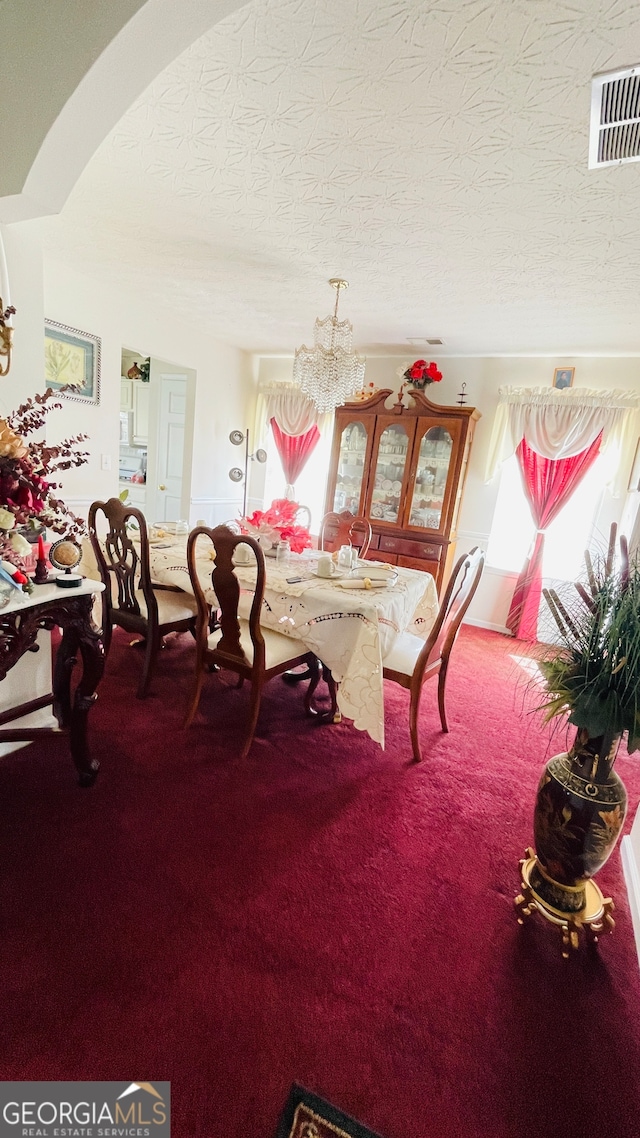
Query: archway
(65, 83)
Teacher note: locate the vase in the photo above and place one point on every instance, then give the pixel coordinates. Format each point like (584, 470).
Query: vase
(579, 813)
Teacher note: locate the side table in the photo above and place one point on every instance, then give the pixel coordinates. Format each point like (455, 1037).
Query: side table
(51, 607)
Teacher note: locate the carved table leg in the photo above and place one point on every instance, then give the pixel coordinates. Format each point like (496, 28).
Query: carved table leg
(328, 715)
(79, 634)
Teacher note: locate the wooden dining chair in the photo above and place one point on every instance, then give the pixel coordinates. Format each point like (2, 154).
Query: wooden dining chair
(303, 517)
(246, 647)
(344, 529)
(411, 660)
(129, 599)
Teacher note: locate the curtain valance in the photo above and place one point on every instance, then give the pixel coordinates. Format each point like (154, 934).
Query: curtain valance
(561, 424)
(294, 413)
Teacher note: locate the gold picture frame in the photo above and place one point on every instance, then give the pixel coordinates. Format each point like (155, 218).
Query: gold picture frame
(563, 377)
(72, 361)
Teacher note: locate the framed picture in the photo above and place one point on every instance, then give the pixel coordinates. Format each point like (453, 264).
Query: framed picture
(72, 357)
(563, 377)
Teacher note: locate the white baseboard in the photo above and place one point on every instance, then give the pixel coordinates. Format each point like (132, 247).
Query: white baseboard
(487, 624)
(632, 881)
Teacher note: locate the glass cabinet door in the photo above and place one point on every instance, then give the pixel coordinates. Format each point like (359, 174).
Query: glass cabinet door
(350, 473)
(386, 495)
(430, 484)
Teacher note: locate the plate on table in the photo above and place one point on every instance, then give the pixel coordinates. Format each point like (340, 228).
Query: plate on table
(365, 582)
(375, 569)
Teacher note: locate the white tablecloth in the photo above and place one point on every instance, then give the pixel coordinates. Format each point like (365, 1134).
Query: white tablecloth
(350, 630)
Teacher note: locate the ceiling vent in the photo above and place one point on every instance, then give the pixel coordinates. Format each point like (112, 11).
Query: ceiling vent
(433, 343)
(614, 135)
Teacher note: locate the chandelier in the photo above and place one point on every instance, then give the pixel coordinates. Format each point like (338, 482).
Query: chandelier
(329, 372)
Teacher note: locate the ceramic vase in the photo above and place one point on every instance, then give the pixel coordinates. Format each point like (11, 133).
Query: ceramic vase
(579, 813)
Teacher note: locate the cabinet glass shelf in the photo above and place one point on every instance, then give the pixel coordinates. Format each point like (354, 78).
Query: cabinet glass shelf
(350, 473)
(430, 483)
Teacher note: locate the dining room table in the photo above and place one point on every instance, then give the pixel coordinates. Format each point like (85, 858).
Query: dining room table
(349, 620)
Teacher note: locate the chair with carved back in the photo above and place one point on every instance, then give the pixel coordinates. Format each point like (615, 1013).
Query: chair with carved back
(129, 599)
(253, 652)
(344, 529)
(411, 660)
(303, 517)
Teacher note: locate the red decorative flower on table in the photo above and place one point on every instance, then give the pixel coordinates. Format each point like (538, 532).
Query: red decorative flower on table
(277, 523)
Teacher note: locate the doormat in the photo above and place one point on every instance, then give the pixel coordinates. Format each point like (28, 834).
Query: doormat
(307, 1116)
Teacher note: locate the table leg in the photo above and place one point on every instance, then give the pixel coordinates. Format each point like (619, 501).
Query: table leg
(79, 635)
(327, 715)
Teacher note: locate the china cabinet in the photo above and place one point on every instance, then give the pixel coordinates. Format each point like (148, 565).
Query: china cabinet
(403, 467)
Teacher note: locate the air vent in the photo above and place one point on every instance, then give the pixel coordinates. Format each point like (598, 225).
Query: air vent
(614, 135)
(417, 340)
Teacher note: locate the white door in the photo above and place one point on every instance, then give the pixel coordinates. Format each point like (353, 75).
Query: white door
(172, 418)
(170, 448)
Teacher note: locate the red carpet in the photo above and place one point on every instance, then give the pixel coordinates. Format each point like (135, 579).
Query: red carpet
(322, 912)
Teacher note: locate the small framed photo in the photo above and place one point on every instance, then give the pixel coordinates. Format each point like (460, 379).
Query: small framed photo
(72, 357)
(563, 377)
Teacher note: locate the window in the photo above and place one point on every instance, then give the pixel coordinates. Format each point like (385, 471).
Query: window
(311, 486)
(567, 537)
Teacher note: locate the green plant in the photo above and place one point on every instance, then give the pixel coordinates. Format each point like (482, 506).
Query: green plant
(594, 675)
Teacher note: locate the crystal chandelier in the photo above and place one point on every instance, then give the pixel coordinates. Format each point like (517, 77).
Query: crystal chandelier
(329, 372)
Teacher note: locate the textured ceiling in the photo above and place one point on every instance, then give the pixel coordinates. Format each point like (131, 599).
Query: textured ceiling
(434, 154)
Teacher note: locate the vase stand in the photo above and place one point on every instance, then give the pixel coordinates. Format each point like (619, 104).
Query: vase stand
(595, 918)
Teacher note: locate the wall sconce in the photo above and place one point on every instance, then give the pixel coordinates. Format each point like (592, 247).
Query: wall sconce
(6, 312)
(236, 474)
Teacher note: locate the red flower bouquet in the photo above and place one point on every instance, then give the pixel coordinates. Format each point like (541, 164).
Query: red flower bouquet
(421, 373)
(277, 523)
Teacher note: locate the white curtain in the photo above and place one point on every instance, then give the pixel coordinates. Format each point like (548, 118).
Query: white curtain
(560, 424)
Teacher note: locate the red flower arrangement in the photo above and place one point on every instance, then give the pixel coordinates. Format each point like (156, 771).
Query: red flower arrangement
(421, 373)
(278, 523)
(27, 496)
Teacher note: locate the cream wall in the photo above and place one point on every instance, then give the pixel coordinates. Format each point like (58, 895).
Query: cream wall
(224, 385)
(483, 376)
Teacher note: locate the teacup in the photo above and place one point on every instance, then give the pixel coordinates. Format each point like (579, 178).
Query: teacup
(242, 554)
(326, 568)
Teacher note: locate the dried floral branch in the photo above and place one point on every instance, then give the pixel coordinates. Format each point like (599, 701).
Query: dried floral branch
(593, 585)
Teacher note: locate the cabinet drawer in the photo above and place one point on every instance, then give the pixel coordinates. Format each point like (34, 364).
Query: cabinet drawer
(410, 548)
(431, 567)
(376, 555)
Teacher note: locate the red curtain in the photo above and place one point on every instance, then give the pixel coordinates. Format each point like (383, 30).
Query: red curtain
(548, 485)
(294, 450)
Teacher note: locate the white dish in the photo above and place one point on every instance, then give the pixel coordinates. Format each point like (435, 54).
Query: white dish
(361, 583)
(377, 572)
